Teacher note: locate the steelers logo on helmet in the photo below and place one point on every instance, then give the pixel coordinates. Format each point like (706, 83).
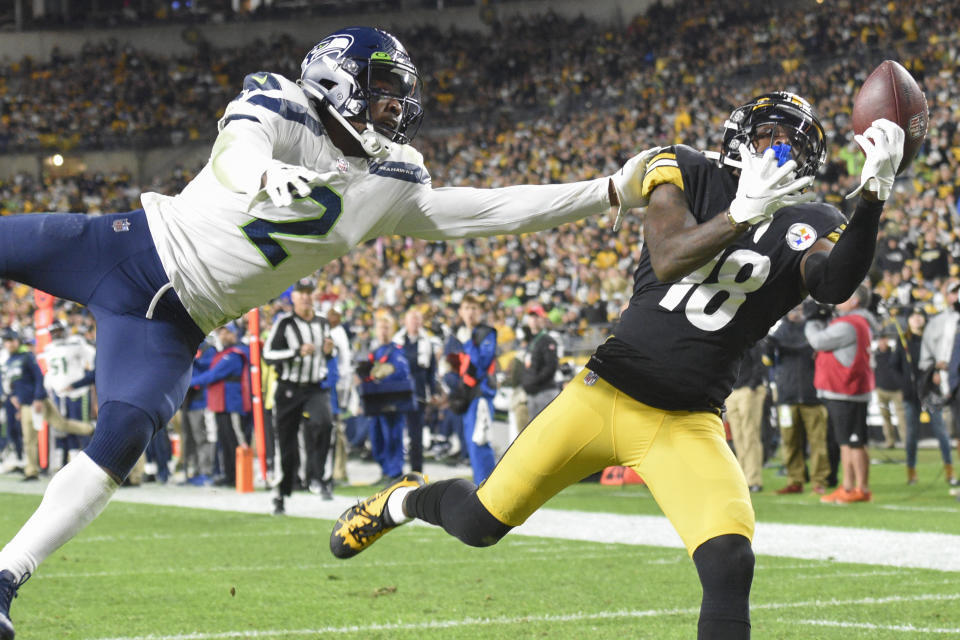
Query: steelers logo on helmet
(800, 236)
(770, 117)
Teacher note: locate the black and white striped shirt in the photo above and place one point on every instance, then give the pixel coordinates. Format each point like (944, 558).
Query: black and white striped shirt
(282, 348)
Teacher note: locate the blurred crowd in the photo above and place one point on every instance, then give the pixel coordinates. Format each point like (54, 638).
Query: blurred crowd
(539, 100)
(675, 67)
(118, 14)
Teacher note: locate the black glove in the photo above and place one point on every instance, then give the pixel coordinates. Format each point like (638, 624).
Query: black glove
(813, 310)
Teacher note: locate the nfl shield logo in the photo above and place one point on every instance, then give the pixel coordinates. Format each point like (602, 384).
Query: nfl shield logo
(590, 379)
(123, 224)
(342, 165)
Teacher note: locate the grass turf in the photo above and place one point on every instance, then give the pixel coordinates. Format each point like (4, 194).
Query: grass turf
(142, 571)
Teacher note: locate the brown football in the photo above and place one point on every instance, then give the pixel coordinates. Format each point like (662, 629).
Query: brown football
(891, 92)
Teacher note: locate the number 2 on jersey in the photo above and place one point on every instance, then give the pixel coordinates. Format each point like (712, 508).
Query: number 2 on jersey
(264, 234)
(712, 306)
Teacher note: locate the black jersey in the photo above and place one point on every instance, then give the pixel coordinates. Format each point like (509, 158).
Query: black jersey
(679, 344)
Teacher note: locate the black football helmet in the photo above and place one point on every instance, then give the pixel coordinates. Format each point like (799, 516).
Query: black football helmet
(789, 112)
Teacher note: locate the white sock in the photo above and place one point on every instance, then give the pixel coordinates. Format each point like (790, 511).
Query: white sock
(75, 496)
(395, 505)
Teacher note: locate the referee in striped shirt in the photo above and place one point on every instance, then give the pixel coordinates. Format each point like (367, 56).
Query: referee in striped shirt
(299, 345)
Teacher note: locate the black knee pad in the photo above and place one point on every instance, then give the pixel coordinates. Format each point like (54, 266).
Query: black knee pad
(122, 434)
(725, 565)
(454, 505)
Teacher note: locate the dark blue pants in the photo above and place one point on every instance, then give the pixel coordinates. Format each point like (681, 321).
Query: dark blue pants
(109, 263)
(14, 435)
(482, 458)
(415, 434)
(386, 442)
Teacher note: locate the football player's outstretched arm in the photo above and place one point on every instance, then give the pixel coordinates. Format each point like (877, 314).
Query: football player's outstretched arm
(458, 212)
(831, 272)
(677, 244)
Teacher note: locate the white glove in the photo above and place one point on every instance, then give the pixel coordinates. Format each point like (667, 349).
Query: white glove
(765, 188)
(882, 143)
(283, 180)
(629, 182)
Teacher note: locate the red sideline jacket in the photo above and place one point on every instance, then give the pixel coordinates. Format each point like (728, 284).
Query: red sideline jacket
(854, 380)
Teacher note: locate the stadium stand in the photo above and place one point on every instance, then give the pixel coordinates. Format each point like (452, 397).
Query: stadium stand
(548, 98)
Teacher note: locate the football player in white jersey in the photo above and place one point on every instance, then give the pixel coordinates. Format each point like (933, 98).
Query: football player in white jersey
(300, 173)
(69, 363)
(69, 358)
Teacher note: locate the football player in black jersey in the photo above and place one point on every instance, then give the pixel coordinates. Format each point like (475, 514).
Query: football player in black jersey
(731, 244)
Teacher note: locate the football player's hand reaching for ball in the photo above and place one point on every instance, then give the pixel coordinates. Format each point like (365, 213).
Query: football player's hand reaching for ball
(882, 143)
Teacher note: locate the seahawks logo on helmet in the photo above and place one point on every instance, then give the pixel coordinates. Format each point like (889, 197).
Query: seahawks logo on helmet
(333, 45)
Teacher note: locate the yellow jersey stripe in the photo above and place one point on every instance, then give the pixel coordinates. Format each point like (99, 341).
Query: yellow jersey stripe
(665, 162)
(665, 174)
(834, 235)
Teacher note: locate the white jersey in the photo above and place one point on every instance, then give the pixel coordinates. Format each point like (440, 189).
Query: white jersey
(67, 360)
(226, 251)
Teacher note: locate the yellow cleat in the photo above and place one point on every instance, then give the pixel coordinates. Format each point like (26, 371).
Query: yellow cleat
(362, 524)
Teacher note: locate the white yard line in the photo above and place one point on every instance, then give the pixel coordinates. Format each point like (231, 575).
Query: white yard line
(570, 617)
(906, 628)
(814, 542)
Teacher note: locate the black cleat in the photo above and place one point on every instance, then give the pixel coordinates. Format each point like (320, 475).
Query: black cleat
(8, 591)
(362, 524)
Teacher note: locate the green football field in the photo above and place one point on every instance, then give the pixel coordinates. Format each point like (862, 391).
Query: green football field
(145, 571)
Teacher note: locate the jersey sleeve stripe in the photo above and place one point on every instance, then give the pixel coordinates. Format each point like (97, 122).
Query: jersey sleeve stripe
(287, 110)
(663, 162)
(834, 235)
(231, 118)
(656, 176)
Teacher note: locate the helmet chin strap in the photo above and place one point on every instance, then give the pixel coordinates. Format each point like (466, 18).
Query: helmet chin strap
(370, 141)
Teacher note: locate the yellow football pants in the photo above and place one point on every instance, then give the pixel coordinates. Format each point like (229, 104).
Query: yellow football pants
(681, 455)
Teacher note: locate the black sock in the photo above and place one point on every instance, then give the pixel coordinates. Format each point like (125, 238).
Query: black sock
(454, 506)
(725, 565)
